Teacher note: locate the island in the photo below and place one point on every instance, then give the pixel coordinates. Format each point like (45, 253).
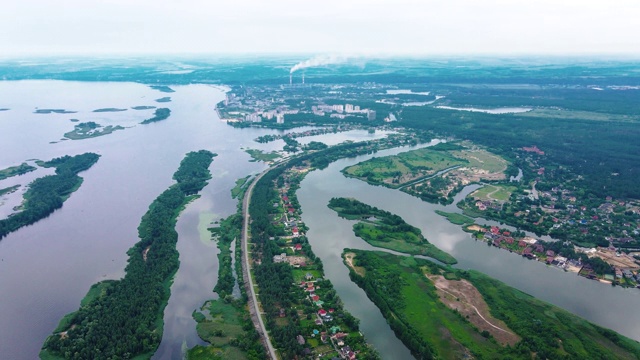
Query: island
(164, 99)
(160, 114)
(259, 155)
(87, 130)
(386, 230)
(54, 111)
(48, 193)
(16, 170)
(124, 318)
(143, 107)
(162, 88)
(109, 110)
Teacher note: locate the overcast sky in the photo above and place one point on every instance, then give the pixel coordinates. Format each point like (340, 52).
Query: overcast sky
(421, 27)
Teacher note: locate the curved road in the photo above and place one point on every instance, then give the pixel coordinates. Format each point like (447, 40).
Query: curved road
(247, 269)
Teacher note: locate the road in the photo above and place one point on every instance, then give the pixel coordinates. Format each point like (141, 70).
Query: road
(255, 309)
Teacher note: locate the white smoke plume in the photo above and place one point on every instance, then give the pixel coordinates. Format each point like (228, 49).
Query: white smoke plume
(319, 61)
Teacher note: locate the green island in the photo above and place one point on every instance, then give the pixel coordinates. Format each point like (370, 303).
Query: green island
(239, 189)
(9, 190)
(124, 318)
(16, 170)
(164, 99)
(455, 218)
(4, 109)
(440, 312)
(162, 88)
(74, 120)
(386, 230)
(143, 107)
(109, 110)
(54, 111)
(159, 115)
(259, 155)
(225, 323)
(436, 173)
(87, 130)
(48, 193)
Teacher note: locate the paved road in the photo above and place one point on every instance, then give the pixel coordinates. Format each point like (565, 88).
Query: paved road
(246, 266)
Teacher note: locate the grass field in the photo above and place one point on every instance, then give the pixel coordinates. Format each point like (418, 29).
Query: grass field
(456, 218)
(493, 192)
(482, 159)
(399, 169)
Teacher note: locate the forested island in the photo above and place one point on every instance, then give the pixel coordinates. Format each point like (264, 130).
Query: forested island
(48, 193)
(440, 312)
(160, 114)
(16, 170)
(87, 130)
(109, 110)
(124, 318)
(164, 99)
(386, 230)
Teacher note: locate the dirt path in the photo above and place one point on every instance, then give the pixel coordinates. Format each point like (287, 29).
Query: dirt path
(348, 258)
(462, 296)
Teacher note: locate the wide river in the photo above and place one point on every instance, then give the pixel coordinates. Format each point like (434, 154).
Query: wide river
(46, 268)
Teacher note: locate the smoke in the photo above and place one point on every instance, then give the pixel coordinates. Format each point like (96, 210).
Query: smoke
(320, 61)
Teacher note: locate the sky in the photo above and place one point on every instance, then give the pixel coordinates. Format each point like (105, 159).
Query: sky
(355, 27)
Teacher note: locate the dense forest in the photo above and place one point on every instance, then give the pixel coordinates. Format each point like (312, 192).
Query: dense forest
(48, 193)
(160, 114)
(125, 320)
(605, 153)
(16, 170)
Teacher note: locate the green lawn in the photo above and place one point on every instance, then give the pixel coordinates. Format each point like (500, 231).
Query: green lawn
(494, 192)
(456, 218)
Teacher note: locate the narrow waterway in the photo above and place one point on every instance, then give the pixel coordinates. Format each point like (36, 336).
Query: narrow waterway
(329, 235)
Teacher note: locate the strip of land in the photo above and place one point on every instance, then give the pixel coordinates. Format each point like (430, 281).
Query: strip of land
(126, 319)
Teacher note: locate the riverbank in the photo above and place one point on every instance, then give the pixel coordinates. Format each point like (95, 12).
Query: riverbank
(437, 328)
(385, 230)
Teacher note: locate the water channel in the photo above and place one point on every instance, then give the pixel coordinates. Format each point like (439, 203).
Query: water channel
(329, 235)
(46, 268)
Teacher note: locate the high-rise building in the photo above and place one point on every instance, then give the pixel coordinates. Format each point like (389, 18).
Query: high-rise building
(280, 118)
(348, 108)
(371, 115)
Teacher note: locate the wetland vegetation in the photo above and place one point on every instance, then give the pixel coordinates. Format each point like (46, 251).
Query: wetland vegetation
(386, 230)
(440, 312)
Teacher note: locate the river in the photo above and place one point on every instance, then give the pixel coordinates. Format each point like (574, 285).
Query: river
(329, 235)
(46, 268)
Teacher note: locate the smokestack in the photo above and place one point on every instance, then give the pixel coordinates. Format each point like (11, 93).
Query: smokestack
(302, 78)
(290, 79)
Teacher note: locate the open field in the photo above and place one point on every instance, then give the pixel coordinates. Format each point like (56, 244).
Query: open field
(493, 192)
(397, 170)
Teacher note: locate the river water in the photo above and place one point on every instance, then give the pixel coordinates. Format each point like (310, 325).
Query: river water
(329, 235)
(46, 268)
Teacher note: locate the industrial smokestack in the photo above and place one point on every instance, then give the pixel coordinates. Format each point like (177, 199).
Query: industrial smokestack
(302, 78)
(290, 79)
